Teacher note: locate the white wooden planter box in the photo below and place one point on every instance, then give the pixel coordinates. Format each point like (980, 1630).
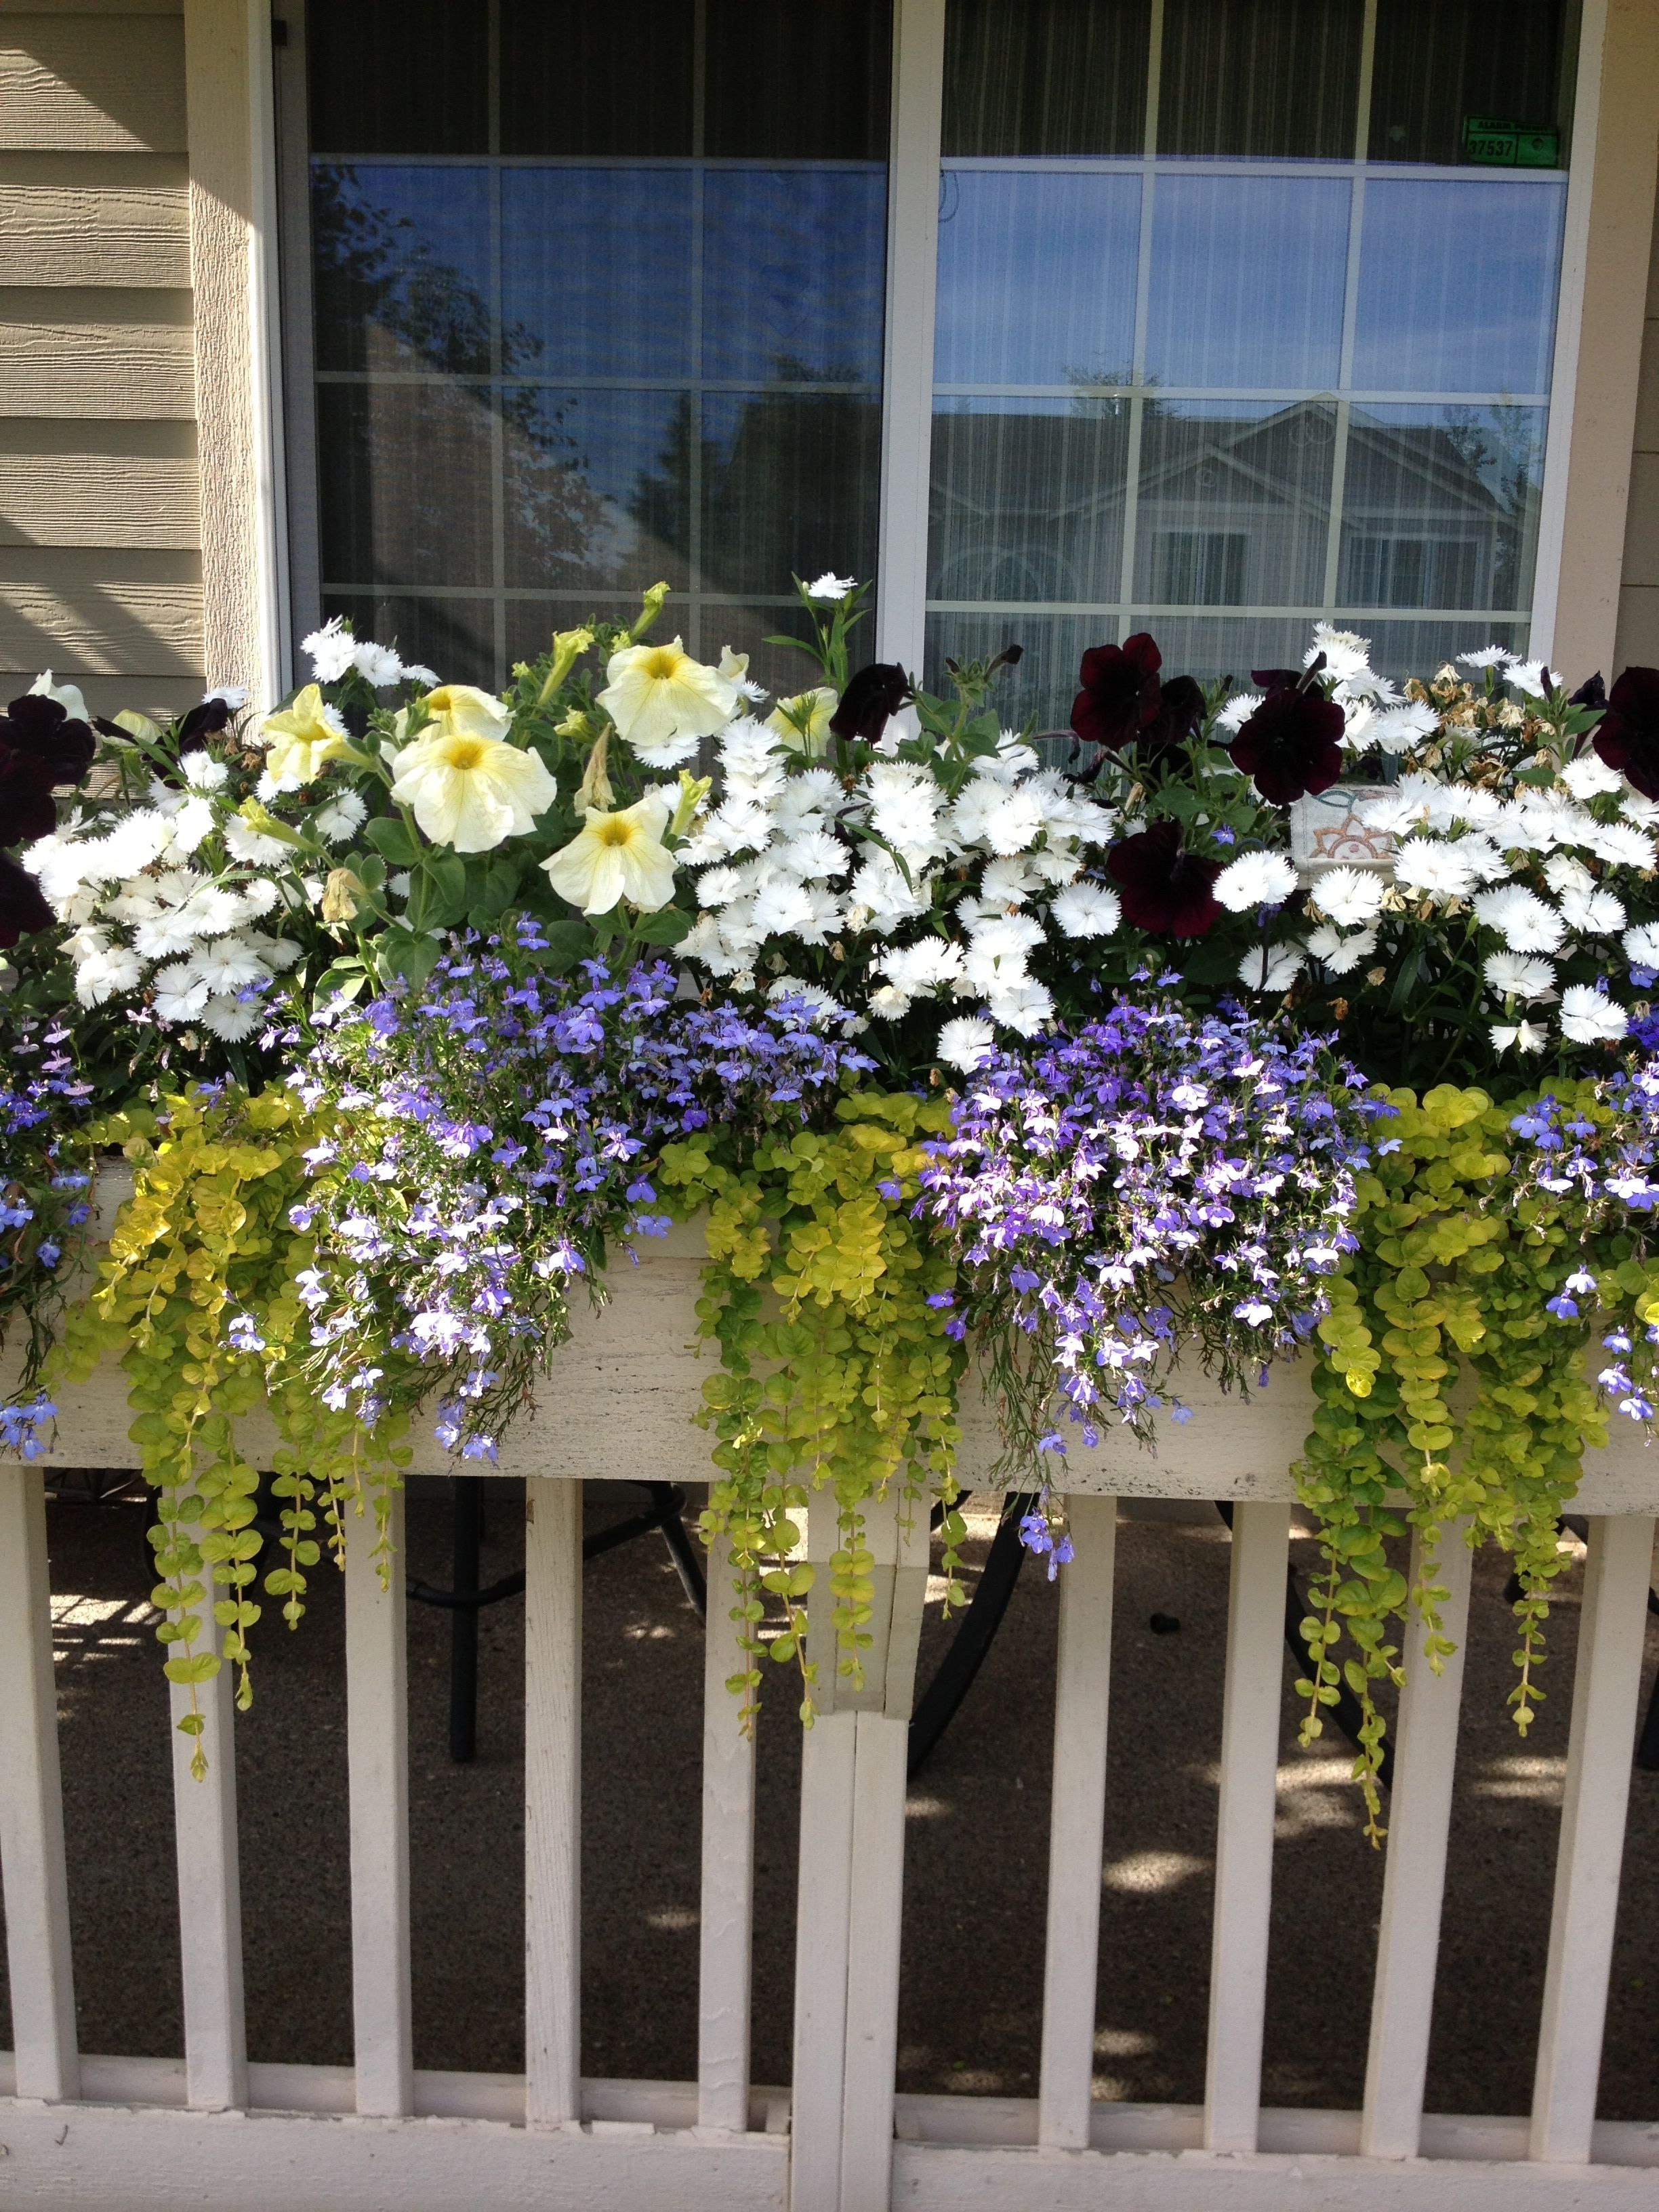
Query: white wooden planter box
(136, 2134)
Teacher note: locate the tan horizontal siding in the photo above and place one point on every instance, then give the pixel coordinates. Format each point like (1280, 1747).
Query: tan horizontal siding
(99, 483)
(158, 696)
(86, 352)
(102, 629)
(122, 234)
(110, 82)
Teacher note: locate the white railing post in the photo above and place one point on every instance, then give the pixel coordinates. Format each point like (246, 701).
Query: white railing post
(850, 1889)
(725, 1939)
(210, 1881)
(1244, 1842)
(31, 1864)
(1607, 1681)
(1082, 1688)
(1413, 1884)
(552, 1786)
(377, 1746)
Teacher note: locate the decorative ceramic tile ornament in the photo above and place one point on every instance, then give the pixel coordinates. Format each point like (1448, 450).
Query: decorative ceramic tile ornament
(1326, 828)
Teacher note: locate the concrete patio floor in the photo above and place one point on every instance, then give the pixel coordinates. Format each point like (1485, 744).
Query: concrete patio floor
(977, 1855)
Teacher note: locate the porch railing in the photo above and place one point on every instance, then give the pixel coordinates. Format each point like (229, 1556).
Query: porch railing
(96, 2131)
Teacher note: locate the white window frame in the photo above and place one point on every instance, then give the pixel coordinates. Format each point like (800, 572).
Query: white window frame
(1610, 169)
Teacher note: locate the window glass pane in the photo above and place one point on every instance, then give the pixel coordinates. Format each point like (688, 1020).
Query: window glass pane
(1218, 392)
(596, 488)
(1053, 77)
(401, 267)
(643, 340)
(1277, 77)
(1400, 649)
(1040, 690)
(803, 84)
(1235, 503)
(1439, 61)
(1440, 506)
(1036, 278)
(454, 635)
(401, 458)
(784, 479)
(1457, 285)
(1027, 499)
(398, 76)
(598, 271)
(1213, 318)
(566, 88)
(794, 262)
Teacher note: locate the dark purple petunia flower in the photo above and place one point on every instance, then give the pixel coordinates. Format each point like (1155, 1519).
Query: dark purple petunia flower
(1121, 695)
(206, 720)
(26, 807)
(872, 696)
(1164, 889)
(1627, 735)
(1292, 743)
(23, 908)
(1592, 692)
(42, 728)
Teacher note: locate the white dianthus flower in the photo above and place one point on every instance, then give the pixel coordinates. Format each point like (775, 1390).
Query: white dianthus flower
(1620, 845)
(1086, 910)
(1525, 921)
(828, 585)
(1588, 1017)
(1524, 1036)
(1641, 944)
(1350, 896)
(229, 1019)
(1022, 1004)
(1238, 711)
(202, 771)
(1592, 913)
(341, 818)
(1270, 967)
(378, 665)
(1489, 656)
(921, 966)
(1589, 775)
(967, 1042)
(1439, 870)
(1338, 955)
(1514, 976)
(1255, 879)
(330, 649)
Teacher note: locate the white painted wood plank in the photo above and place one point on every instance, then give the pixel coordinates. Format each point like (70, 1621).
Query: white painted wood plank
(1607, 1679)
(1413, 1883)
(159, 2161)
(881, 1748)
(822, 1925)
(377, 1746)
(552, 1786)
(728, 1866)
(209, 1887)
(32, 1801)
(1244, 1841)
(907, 385)
(1076, 1821)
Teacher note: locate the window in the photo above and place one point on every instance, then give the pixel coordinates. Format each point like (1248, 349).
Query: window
(1236, 325)
(1217, 332)
(612, 316)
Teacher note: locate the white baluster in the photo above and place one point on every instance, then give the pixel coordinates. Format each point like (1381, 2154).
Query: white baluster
(1420, 1816)
(1244, 1847)
(1083, 1682)
(552, 1781)
(1607, 1681)
(32, 1801)
(377, 1742)
(210, 1881)
(728, 1866)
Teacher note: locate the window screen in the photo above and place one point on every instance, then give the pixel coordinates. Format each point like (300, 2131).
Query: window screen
(610, 309)
(1238, 326)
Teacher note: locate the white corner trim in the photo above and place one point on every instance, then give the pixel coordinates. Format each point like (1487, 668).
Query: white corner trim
(265, 367)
